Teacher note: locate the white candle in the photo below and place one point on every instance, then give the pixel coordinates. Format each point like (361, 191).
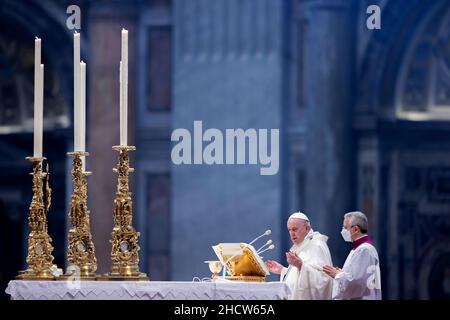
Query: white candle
(121, 104)
(38, 112)
(76, 90)
(124, 90)
(41, 89)
(83, 111)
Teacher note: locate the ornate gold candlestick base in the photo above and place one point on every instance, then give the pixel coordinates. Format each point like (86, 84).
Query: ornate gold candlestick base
(125, 245)
(80, 250)
(39, 258)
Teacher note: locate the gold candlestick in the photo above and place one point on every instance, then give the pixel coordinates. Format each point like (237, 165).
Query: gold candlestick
(125, 246)
(80, 250)
(39, 258)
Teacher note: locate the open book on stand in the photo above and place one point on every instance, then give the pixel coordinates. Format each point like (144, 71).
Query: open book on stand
(241, 261)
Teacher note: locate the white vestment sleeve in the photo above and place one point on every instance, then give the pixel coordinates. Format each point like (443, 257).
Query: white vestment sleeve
(317, 283)
(353, 281)
(313, 283)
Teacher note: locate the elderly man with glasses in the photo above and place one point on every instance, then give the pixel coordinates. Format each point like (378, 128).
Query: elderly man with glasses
(359, 278)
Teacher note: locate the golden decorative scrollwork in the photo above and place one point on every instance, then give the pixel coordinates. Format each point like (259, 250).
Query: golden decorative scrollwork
(81, 250)
(125, 239)
(39, 258)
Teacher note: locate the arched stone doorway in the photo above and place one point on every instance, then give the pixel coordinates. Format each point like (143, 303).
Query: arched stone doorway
(403, 151)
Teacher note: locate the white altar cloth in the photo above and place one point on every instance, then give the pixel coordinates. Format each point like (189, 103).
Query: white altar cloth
(151, 290)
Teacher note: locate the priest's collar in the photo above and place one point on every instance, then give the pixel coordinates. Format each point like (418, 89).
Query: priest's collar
(364, 239)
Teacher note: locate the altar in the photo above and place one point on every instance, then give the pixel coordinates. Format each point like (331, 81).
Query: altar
(146, 290)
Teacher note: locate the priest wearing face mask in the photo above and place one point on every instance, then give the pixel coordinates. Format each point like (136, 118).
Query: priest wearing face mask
(306, 258)
(359, 278)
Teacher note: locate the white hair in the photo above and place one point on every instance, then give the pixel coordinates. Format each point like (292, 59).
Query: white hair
(303, 221)
(300, 216)
(359, 219)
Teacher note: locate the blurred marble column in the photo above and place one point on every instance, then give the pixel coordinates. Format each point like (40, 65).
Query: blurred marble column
(105, 24)
(329, 88)
(228, 74)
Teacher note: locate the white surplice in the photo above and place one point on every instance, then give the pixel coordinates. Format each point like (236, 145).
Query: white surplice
(310, 283)
(360, 276)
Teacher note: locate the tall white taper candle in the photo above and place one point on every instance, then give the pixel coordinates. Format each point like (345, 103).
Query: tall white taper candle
(38, 110)
(83, 111)
(121, 104)
(76, 91)
(124, 90)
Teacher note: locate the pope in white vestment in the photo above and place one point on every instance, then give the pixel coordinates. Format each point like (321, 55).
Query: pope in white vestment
(359, 278)
(306, 258)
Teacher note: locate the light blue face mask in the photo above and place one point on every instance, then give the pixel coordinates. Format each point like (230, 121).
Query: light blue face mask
(346, 235)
